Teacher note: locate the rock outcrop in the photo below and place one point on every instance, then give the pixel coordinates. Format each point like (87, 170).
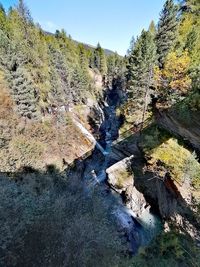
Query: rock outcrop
(121, 179)
(172, 123)
(120, 176)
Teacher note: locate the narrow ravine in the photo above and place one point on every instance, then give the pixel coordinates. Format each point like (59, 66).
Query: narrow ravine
(138, 231)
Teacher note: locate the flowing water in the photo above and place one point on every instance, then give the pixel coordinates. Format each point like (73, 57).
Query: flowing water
(89, 136)
(139, 230)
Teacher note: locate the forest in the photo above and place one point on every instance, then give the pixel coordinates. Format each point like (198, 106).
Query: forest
(69, 113)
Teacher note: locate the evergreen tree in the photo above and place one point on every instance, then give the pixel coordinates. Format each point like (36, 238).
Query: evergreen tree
(24, 12)
(139, 71)
(97, 52)
(100, 60)
(152, 28)
(79, 85)
(140, 62)
(166, 34)
(132, 43)
(83, 57)
(116, 68)
(60, 81)
(61, 34)
(24, 93)
(2, 17)
(103, 63)
(91, 59)
(111, 65)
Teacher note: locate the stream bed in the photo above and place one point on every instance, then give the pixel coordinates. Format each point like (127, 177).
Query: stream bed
(139, 231)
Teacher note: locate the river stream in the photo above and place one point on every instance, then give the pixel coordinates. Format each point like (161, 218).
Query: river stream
(138, 230)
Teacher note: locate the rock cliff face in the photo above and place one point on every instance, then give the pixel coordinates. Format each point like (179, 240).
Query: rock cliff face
(121, 179)
(151, 184)
(120, 176)
(188, 129)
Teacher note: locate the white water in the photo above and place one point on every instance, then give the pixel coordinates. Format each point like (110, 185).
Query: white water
(140, 230)
(102, 175)
(89, 136)
(123, 217)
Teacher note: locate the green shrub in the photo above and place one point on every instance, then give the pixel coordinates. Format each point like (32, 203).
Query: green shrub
(27, 152)
(49, 220)
(169, 249)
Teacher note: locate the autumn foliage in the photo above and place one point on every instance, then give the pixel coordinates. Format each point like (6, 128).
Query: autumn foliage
(174, 75)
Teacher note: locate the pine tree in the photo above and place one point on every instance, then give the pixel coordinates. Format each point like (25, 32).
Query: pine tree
(116, 68)
(97, 52)
(79, 85)
(2, 18)
(100, 60)
(84, 62)
(24, 12)
(103, 63)
(139, 71)
(60, 81)
(91, 59)
(166, 34)
(132, 43)
(141, 60)
(152, 28)
(24, 93)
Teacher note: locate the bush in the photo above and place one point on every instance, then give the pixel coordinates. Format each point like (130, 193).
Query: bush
(48, 219)
(26, 152)
(170, 249)
(179, 161)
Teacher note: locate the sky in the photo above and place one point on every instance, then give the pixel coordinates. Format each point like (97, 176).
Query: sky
(112, 23)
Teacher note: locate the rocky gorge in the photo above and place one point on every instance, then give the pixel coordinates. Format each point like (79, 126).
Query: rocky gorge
(100, 153)
(148, 194)
(131, 210)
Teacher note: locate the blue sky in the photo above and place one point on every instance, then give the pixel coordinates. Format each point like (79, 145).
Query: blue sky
(110, 22)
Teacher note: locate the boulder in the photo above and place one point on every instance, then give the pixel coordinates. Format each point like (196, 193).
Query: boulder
(120, 176)
(121, 179)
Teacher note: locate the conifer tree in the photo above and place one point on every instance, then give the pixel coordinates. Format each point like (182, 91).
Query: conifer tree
(97, 52)
(141, 60)
(115, 71)
(167, 27)
(91, 59)
(132, 43)
(60, 86)
(79, 85)
(103, 63)
(152, 28)
(139, 71)
(24, 93)
(100, 60)
(2, 18)
(83, 57)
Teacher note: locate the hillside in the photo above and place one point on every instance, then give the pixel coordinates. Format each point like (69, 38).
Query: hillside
(99, 154)
(107, 52)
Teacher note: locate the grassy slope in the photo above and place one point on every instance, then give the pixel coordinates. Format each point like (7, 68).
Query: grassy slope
(37, 143)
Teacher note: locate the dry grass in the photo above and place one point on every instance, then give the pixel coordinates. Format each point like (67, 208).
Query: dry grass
(36, 143)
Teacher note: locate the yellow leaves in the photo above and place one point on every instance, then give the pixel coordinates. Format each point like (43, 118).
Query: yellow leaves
(175, 71)
(182, 85)
(176, 65)
(174, 75)
(185, 27)
(177, 159)
(157, 77)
